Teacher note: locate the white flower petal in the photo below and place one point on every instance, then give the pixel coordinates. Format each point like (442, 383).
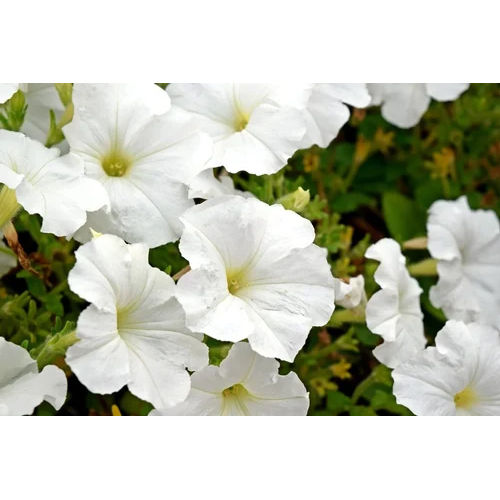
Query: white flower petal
(325, 118)
(446, 91)
(100, 358)
(408, 341)
(153, 378)
(198, 403)
(61, 184)
(403, 104)
(22, 388)
(457, 377)
(388, 252)
(354, 94)
(40, 99)
(205, 185)
(7, 259)
(99, 275)
(7, 90)
(45, 182)
(144, 208)
(326, 113)
(352, 294)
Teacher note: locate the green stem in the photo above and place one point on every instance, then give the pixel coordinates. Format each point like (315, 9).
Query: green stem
(426, 267)
(340, 316)
(325, 351)
(353, 170)
(269, 193)
(361, 388)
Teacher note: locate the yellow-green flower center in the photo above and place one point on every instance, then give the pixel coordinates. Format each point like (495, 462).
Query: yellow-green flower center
(236, 280)
(235, 391)
(235, 399)
(241, 120)
(8, 205)
(466, 399)
(116, 164)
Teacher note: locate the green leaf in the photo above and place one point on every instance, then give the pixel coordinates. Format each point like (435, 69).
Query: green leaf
(383, 400)
(365, 336)
(403, 217)
(337, 402)
(362, 411)
(348, 202)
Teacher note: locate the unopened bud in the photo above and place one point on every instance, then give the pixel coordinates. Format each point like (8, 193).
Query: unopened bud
(296, 201)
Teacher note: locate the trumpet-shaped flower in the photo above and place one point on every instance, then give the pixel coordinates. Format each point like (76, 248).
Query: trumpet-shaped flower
(394, 311)
(133, 333)
(466, 244)
(257, 127)
(22, 387)
(460, 376)
(44, 183)
(403, 104)
(253, 126)
(244, 384)
(7, 259)
(142, 153)
(255, 273)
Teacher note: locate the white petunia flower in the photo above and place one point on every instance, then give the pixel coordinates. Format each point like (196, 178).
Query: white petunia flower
(7, 259)
(403, 104)
(257, 127)
(466, 244)
(460, 376)
(7, 90)
(44, 183)
(22, 387)
(394, 311)
(255, 273)
(143, 154)
(133, 333)
(244, 384)
(351, 294)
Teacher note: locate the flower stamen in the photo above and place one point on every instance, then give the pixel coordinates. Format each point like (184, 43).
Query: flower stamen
(115, 164)
(235, 391)
(235, 281)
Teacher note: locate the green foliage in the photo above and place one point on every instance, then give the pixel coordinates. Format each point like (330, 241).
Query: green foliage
(403, 217)
(13, 111)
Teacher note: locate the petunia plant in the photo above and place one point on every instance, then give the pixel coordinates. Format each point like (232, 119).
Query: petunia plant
(249, 249)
